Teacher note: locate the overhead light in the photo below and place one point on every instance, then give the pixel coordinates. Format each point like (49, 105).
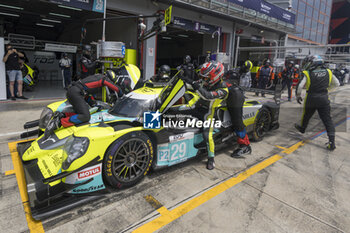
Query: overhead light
(181, 35)
(8, 14)
(51, 20)
(61, 15)
(12, 7)
(167, 38)
(45, 25)
(71, 8)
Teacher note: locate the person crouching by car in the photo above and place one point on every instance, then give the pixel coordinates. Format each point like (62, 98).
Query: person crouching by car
(80, 95)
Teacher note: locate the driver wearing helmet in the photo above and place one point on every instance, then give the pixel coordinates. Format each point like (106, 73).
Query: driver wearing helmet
(317, 80)
(212, 92)
(86, 64)
(81, 94)
(245, 75)
(163, 74)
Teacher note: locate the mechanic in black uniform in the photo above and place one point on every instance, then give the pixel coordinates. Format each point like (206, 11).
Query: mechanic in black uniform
(235, 102)
(80, 95)
(163, 74)
(188, 68)
(317, 79)
(87, 65)
(287, 76)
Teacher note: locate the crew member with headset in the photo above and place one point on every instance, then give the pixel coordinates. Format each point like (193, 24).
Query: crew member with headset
(264, 76)
(317, 80)
(86, 63)
(188, 68)
(80, 95)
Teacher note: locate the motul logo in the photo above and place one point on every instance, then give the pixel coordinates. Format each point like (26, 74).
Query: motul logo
(88, 173)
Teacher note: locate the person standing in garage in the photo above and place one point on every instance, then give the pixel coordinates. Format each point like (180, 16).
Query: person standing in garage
(86, 64)
(65, 64)
(13, 71)
(287, 76)
(317, 80)
(264, 76)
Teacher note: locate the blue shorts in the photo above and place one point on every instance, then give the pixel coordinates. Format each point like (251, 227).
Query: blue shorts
(15, 75)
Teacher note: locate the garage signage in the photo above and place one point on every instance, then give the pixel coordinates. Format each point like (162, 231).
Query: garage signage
(195, 26)
(90, 5)
(267, 9)
(60, 48)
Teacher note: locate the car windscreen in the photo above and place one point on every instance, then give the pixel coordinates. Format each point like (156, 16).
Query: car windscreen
(129, 107)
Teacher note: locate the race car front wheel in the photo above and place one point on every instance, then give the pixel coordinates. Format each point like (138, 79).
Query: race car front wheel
(262, 124)
(128, 160)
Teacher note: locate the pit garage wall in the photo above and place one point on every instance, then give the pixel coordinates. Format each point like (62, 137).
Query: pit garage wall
(3, 91)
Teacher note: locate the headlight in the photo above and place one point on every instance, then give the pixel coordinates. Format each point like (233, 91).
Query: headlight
(45, 117)
(74, 148)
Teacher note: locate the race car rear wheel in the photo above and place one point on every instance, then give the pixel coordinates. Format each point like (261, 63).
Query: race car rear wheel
(128, 160)
(262, 124)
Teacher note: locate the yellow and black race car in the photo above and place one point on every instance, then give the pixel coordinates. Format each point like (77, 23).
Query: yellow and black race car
(119, 146)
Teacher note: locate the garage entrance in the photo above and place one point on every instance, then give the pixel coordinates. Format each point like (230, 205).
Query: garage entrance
(186, 37)
(30, 26)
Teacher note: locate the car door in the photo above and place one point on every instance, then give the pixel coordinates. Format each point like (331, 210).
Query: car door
(171, 93)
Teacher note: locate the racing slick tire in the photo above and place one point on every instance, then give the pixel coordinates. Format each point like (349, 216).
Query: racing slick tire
(262, 124)
(128, 160)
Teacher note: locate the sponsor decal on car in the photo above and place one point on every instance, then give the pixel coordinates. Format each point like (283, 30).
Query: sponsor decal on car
(88, 173)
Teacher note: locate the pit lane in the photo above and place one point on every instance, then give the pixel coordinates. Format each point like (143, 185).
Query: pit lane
(290, 183)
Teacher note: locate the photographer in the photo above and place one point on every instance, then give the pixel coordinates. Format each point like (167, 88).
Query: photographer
(13, 70)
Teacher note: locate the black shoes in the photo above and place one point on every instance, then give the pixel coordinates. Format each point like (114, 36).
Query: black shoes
(210, 163)
(22, 97)
(299, 128)
(13, 98)
(242, 150)
(331, 146)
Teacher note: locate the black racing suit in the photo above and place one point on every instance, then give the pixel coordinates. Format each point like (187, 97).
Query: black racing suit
(287, 79)
(317, 82)
(87, 67)
(235, 102)
(80, 93)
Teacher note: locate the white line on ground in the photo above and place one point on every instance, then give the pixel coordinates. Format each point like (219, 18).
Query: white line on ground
(11, 133)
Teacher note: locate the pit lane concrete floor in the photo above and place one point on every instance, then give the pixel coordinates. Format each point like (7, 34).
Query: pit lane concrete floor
(289, 184)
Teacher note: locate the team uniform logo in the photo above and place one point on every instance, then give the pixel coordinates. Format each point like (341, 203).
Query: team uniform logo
(151, 120)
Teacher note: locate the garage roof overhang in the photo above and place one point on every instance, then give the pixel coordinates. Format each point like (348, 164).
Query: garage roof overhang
(229, 11)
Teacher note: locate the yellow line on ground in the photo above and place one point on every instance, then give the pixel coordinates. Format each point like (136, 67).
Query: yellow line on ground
(33, 225)
(293, 148)
(169, 216)
(281, 147)
(163, 211)
(10, 172)
(153, 202)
